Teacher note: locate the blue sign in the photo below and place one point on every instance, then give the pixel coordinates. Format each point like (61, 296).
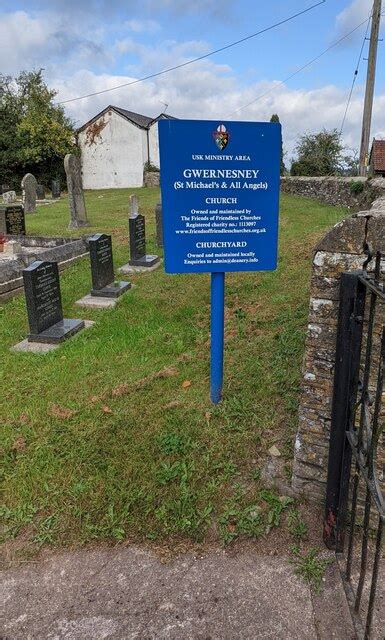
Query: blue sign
(220, 195)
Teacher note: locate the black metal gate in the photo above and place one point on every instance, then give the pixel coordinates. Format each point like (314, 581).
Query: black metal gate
(354, 527)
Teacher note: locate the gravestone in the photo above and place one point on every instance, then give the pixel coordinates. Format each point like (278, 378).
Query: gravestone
(102, 268)
(137, 236)
(56, 188)
(5, 187)
(12, 221)
(72, 166)
(28, 184)
(9, 197)
(158, 221)
(40, 191)
(44, 307)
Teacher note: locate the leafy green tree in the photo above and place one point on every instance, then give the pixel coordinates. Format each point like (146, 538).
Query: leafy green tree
(319, 154)
(275, 118)
(35, 134)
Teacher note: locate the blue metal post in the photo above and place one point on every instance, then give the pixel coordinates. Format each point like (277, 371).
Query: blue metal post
(217, 335)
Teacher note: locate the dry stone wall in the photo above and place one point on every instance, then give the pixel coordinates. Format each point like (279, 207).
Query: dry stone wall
(340, 250)
(337, 191)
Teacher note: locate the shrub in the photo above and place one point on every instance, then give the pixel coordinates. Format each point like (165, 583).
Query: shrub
(149, 166)
(356, 187)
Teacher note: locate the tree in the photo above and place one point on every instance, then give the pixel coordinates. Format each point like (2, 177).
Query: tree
(319, 154)
(35, 134)
(275, 118)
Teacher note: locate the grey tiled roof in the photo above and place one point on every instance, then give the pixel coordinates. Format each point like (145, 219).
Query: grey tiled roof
(137, 118)
(141, 121)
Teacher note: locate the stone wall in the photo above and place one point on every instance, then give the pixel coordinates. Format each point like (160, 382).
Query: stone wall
(340, 250)
(336, 191)
(152, 178)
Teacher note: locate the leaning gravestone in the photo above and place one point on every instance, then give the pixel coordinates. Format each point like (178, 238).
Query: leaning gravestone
(12, 221)
(9, 197)
(44, 307)
(40, 191)
(137, 231)
(72, 166)
(102, 268)
(55, 188)
(28, 184)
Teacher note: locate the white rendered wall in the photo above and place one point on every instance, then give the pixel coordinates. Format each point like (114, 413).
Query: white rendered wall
(153, 139)
(116, 156)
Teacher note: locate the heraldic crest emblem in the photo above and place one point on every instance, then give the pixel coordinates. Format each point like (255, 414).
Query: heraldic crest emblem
(221, 137)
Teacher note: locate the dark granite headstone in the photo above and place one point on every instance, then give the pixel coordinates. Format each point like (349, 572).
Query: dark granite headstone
(12, 220)
(5, 188)
(40, 191)
(44, 307)
(137, 230)
(158, 221)
(102, 268)
(56, 188)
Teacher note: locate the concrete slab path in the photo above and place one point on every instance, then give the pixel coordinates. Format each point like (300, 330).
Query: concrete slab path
(128, 593)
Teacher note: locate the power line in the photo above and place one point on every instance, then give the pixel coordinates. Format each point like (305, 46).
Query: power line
(355, 76)
(305, 66)
(206, 55)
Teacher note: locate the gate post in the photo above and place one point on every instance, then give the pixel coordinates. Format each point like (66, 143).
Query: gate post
(346, 377)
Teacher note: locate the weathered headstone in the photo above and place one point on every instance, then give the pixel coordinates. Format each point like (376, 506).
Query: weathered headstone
(72, 166)
(40, 191)
(158, 222)
(12, 221)
(134, 205)
(9, 197)
(56, 188)
(102, 268)
(28, 184)
(12, 247)
(44, 307)
(137, 233)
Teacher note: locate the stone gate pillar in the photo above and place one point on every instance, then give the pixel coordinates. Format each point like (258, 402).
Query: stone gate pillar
(340, 250)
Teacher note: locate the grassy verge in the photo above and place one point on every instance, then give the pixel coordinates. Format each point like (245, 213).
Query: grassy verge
(113, 436)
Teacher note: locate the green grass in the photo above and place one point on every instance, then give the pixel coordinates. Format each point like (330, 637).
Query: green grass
(310, 567)
(104, 438)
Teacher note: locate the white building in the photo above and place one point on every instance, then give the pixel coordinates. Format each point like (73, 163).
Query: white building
(115, 145)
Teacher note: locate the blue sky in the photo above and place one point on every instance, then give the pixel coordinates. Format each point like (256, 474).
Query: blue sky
(85, 46)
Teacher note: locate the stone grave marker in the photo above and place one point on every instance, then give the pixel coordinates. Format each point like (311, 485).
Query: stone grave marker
(137, 238)
(44, 307)
(29, 184)
(158, 221)
(72, 166)
(12, 221)
(134, 205)
(56, 188)
(9, 197)
(102, 268)
(5, 188)
(40, 191)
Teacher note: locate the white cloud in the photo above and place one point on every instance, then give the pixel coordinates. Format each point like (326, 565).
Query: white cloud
(140, 26)
(204, 92)
(77, 65)
(356, 12)
(44, 39)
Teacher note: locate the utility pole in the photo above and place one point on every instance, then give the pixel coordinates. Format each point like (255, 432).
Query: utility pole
(370, 78)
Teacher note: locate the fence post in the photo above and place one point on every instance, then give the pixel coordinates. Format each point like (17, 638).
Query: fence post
(346, 377)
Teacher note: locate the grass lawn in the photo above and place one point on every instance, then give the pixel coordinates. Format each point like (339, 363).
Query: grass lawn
(113, 436)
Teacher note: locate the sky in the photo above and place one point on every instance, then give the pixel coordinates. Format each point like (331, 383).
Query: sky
(86, 46)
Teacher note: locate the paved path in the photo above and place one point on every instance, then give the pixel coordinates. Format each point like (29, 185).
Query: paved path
(127, 593)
